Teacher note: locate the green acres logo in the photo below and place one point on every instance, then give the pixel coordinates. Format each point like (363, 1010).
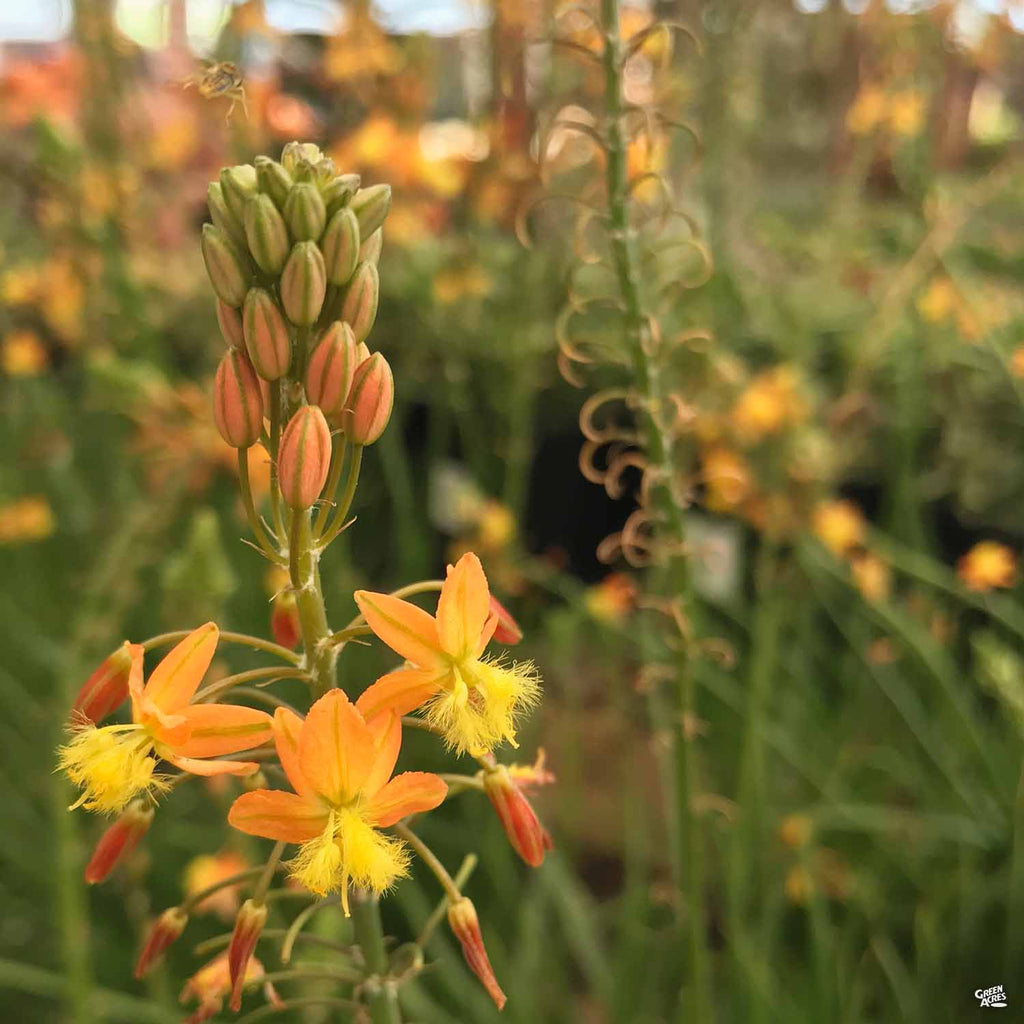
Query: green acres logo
(994, 996)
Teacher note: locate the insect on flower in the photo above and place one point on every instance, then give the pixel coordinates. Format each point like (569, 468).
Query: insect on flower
(220, 78)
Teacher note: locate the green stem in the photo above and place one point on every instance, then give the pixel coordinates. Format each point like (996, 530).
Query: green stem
(427, 855)
(229, 638)
(275, 440)
(380, 993)
(221, 687)
(327, 497)
(250, 510)
(467, 868)
(351, 481)
(321, 655)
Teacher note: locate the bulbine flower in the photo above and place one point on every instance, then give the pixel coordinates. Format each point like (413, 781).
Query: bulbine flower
(473, 701)
(340, 767)
(113, 764)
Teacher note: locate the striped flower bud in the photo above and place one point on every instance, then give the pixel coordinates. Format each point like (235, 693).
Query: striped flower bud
(371, 206)
(369, 251)
(340, 246)
(118, 841)
(339, 191)
(221, 216)
(303, 284)
(304, 457)
(525, 833)
(230, 321)
(370, 400)
(273, 179)
(362, 353)
(237, 403)
(266, 335)
(107, 688)
(225, 266)
(284, 620)
(239, 185)
(465, 926)
(331, 368)
(248, 924)
(304, 212)
(167, 928)
(360, 306)
(266, 234)
(295, 152)
(507, 631)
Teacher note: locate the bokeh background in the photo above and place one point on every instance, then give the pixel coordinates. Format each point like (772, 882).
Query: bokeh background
(854, 462)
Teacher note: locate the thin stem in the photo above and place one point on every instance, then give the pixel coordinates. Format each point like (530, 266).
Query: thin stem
(327, 497)
(344, 635)
(321, 656)
(300, 922)
(430, 859)
(220, 941)
(351, 481)
(466, 868)
(250, 510)
(381, 995)
(257, 643)
(275, 440)
(230, 682)
(270, 867)
(268, 698)
(294, 1004)
(195, 899)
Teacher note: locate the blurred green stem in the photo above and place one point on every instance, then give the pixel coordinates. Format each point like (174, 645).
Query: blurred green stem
(250, 510)
(321, 656)
(381, 994)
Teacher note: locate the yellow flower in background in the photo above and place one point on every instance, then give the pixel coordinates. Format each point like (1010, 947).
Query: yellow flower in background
(839, 525)
(20, 286)
(795, 830)
(726, 478)
(455, 283)
(64, 298)
(23, 354)
(496, 526)
(867, 111)
(174, 139)
(208, 870)
(905, 115)
(987, 565)
(99, 191)
(612, 599)
(938, 301)
(872, 576)
(770, 402)
(26, 520)
(1017, 362)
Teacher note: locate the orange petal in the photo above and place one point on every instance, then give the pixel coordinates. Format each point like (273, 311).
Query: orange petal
(408, 793)
(387, 730)
(287, 729)
(276, 814)
(463, 606)
(223, 729)
(406, 629)
(336, 750)
(174, 681)
(401, 691)
(492, 623)
(198, 766)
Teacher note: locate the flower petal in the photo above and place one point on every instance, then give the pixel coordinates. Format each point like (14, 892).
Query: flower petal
(406, 629)
(408, 793)
(276, 814)
(336, 749)
(400, 691)
(173, 682)
(199, 766)
(223, 729)
(387, 730)
(463, 607)
(287, 729)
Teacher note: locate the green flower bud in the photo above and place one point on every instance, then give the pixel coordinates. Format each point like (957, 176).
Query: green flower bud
(369, 251)
(303, 284)
(305, 213)
(230, 324)
(371, 206)
(273, 179)
(339, 191)
(266, 234)
(227, 268)
(340, 246)
(360, 306)
(295, 152)
(222, 217)
(266, 335)
(239, 184)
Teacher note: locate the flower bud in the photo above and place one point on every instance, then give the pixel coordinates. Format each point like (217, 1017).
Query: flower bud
(525, 833)
(466, 927)
(221, 216)
(248, 924)
(238, 185)
(331, 368)
(362, 353)
(340, 246)
(225, 265)
(370, 399)
(369, 251)
(305, 213)
(230, 324)
(304, 457)
(284, 620)
(166, 929)
(303, 284)
(107, 688)
(339, 191)
(295, 152)
(360, 306)
(371, 206)
(237, 402)
(118, 841)
(266, 234)
(266, 335)
(273, 179)
(507, 630)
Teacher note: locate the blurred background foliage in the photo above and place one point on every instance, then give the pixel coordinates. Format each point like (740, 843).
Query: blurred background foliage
(854, 389)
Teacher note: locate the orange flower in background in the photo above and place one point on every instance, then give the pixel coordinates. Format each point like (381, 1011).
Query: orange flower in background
(115, 763)
(23, 354)
(871, 575)
(340, 768)
(727, 479)
(207, 870)
(212, 982)
(987, 565)
(612, 599)
(472, 701)
(1017, 362)
(770, 402)
(839, 525)
(26, 520)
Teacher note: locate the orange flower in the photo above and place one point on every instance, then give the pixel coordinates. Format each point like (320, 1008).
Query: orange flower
(207, 870)
(472, 701)
(987, 565)
(839, 525)
(212, 982)
(114, 763)
(340, 767)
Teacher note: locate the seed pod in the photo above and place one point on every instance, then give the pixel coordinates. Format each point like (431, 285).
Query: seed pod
(369, 251)
(239, 185)
(107, 688)
(339, 191)
(360, 306)
(118, 841)
(164, 930)
(340, 246)
(266, 335)
(226, 267)
(266, 234)
(305, 213)
(237, 404)
(370, 401)
(296, 151)
(221, 216)
(230, 321)
(331, 367)
(466, 927)
(303, 284)
(273, 180)
(304, 457)
(371, 206)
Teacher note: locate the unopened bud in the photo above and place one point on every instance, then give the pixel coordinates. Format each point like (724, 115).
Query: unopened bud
(305, 213)
(304, 457)
(273, 179)
(371, 206)
(360, 306)
(266, 335)
(303, 284)
(370, 399)
(296, 151)
(340, 246)
(225, 265)
(166, 929)
(339, 191)
(525, 833)
(248, 924)
(369, 251)
(107, 688)
(222, 216)
(466, 927)
(230, 321)
(237, 402)
(507, 631)
(238, 185)
(118, 841)
(266, 234)
(362, 353)
(331, 368)
(284, 620)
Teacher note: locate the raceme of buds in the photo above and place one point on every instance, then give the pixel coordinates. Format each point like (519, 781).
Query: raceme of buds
(340, 246)
(107, 688)
(166, 929)
(266, 234)
(526, 834)
(369, 251)
(225, 265)
(466, 927)
(331, 368)
(360, 306)
(221, 216)
(237, 401)
(370, 400)
(303, 284)
(304, 457)
(273, 179)
(305, 212)
(248, 924)
(230, 321)
(507, 631)
(371, 206)
(238, 185)
(266, 335)
(295, 152)
(118, 841)
(338, 192)
(284, 620)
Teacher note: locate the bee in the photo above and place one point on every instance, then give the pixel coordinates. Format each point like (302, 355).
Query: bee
(220, 78)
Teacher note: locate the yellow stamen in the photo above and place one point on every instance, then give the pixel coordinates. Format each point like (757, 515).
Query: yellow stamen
(318, 865)
(111, 765)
